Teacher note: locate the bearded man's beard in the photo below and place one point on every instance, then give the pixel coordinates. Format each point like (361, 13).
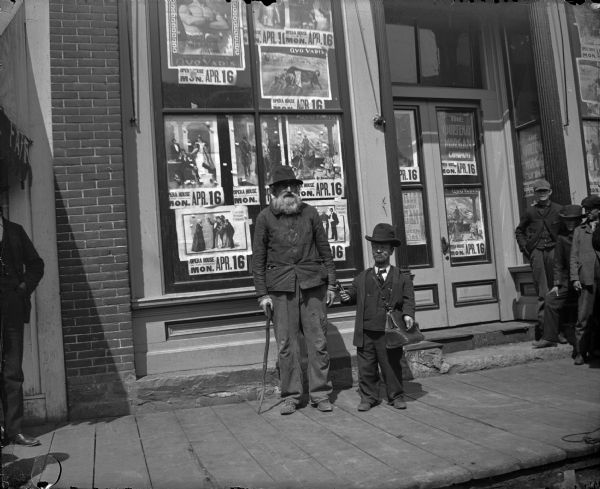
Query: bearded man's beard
(287, 203)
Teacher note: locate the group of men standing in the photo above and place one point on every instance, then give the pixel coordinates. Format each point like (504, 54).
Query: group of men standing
(562, 244)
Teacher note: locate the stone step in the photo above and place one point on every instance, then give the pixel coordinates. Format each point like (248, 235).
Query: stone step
(447, 351)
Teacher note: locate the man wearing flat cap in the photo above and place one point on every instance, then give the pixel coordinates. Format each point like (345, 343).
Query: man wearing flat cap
(585, 276)
(536, 236)
(294, 275)
(562, 292)
(374, 291)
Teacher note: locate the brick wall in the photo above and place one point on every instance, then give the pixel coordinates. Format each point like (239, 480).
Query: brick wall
(90, 206)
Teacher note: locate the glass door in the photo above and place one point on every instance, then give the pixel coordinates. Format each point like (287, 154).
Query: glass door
(445, 212)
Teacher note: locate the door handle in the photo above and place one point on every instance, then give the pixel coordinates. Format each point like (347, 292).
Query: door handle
(445, 246)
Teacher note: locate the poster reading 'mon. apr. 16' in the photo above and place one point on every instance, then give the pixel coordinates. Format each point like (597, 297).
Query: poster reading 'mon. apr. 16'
(214, 240)
(204, 41)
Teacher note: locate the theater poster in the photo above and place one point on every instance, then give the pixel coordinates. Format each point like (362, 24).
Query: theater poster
(298, 22)
(214, 240)
(588, 61)
(457, 143)
(193, 162)
(591, 133)
(205, 40)
(314, 153)
(294, 78)
(466, 229)
(243, 159)
(334, 217)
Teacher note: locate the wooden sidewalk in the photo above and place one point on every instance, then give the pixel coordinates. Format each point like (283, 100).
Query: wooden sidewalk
(457, 428)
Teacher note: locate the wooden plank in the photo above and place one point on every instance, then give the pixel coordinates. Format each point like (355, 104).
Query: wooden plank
(565, 367)
(387, 424)
(528, 452)
(578, 396)
(226, 459)
(352, 466)
(554, 406)
(286, 463)
(119, 457)
(377, 432)
(169, 457)
(73, 445)
(515, 415)
(567, 377)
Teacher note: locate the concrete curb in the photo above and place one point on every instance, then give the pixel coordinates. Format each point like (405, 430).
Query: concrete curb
(502, 356)
(213, 386)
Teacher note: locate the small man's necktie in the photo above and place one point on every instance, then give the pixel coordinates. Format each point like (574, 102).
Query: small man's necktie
(380, 275)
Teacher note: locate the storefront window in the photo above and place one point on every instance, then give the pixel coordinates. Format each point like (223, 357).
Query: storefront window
(585, 36)
(413, 189)
(525, 110)
(244, 88)
(441, 49)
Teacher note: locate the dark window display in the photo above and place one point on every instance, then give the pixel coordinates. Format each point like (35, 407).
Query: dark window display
(241, 88)
(525, 110)
(440, 49)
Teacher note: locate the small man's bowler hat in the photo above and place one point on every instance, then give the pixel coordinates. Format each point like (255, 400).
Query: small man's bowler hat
(571, 212)
(541, 184)
(591, 202)
(282, 173)
(384, 233)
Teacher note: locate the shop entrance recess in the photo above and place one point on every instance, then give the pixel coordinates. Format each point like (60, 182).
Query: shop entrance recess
(446, 212)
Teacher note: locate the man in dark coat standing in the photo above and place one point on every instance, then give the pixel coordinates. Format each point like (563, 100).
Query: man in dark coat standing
(374, 291)
(536, 236)
(21, 269)
(585, 276)
(563, 291)
(294, 275)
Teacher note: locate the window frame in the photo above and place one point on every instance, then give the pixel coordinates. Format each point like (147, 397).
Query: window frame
(168, 254)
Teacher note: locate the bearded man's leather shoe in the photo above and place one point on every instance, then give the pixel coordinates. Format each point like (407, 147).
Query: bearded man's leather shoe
(25, 440)
(364, 406)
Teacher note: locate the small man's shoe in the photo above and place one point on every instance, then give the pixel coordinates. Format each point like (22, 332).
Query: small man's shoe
(399, 403)
(324, 406)
(561, 339)
(364, 406)
(25, 440)
(579, 359)
(543, 344)
(288, 407)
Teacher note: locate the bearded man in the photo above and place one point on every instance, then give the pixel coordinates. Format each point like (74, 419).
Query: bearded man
(294, 276)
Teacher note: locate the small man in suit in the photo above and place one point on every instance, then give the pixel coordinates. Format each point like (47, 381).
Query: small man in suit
(373, 291)
(536, 236)
(585, 275)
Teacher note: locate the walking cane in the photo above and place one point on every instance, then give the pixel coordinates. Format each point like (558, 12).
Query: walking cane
(269, 313)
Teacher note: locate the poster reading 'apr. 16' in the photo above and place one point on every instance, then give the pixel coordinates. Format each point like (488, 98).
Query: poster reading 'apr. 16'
(193, 162)
(457, 143)
(466, 228)
(214, 240)
(205, 41)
